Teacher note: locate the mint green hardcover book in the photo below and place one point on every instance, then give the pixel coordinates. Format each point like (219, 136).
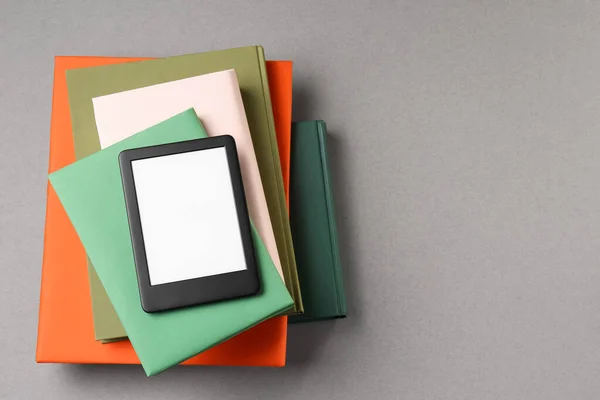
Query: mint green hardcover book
(91, 192)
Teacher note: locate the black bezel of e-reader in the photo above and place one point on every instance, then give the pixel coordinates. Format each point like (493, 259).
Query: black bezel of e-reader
(196, 291)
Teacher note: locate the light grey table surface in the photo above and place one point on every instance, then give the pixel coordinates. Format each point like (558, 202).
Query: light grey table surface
(465, 143)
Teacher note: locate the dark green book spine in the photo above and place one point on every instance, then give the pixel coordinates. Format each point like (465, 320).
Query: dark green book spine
(314, 230)
(335, 250)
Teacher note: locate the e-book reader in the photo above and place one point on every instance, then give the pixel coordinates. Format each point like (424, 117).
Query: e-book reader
(189, 223)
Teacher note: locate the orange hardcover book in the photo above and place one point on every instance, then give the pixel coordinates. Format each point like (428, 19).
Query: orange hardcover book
(280, 82)
(65, 327)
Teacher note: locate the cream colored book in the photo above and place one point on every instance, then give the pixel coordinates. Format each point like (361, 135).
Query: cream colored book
(217, 100)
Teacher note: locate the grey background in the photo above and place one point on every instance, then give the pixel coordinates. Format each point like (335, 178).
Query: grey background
(465, 149)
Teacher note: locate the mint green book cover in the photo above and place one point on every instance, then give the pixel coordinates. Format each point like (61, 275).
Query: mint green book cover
(91, 192)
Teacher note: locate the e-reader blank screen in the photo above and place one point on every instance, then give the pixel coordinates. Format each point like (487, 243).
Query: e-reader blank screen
(188, 215)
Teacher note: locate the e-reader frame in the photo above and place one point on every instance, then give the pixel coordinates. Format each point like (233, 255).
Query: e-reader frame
(196, 291)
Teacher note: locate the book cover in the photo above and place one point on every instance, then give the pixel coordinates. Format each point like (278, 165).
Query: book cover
(312, 215)
(65, 327)
(249, 64)
(91, 192)
(217, 100)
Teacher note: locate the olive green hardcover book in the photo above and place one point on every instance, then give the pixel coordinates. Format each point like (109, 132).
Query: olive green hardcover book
(86, 84)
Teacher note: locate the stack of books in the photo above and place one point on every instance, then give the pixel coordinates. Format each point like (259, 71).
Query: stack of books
(188, 219)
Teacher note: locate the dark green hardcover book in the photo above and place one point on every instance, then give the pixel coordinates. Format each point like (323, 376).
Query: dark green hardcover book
(312, 220)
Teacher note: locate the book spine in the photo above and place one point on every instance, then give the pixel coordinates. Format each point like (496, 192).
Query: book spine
(289, 267)
(335, 252)
(39, 349)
